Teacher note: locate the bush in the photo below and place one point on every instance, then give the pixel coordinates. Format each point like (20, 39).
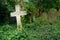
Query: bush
(33, 31)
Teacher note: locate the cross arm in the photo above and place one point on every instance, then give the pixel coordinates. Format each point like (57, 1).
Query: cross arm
(13, 14)
(23, 13)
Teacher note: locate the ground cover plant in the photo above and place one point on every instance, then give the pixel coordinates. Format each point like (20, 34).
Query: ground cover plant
(33, 31)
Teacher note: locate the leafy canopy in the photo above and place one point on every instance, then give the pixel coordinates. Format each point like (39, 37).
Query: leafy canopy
(46, 4)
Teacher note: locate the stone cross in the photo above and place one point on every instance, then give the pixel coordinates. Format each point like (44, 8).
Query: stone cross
(18, 15)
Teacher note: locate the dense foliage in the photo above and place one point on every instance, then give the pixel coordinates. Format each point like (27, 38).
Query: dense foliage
(34, 26)
(6, 7)
(46, 4)
(33, 31)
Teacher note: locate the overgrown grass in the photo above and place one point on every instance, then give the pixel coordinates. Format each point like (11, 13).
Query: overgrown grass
(33, 31)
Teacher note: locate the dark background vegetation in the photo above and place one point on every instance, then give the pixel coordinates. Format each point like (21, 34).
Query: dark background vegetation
(34, 27)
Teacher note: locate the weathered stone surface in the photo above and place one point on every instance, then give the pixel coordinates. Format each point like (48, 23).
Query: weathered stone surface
(18, 15)
(52, 15)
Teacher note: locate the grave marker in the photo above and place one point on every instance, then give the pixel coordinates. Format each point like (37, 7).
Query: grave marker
(58, 14)
(18, 13)
(52, 15)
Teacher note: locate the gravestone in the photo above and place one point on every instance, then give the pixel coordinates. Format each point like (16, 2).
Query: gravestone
(44, 18)
(52, 15)
(58, 14)
(44, 15)
(18, 13)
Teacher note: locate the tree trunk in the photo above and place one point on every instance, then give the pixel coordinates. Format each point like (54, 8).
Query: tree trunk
(39, 12)
(21, 3)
